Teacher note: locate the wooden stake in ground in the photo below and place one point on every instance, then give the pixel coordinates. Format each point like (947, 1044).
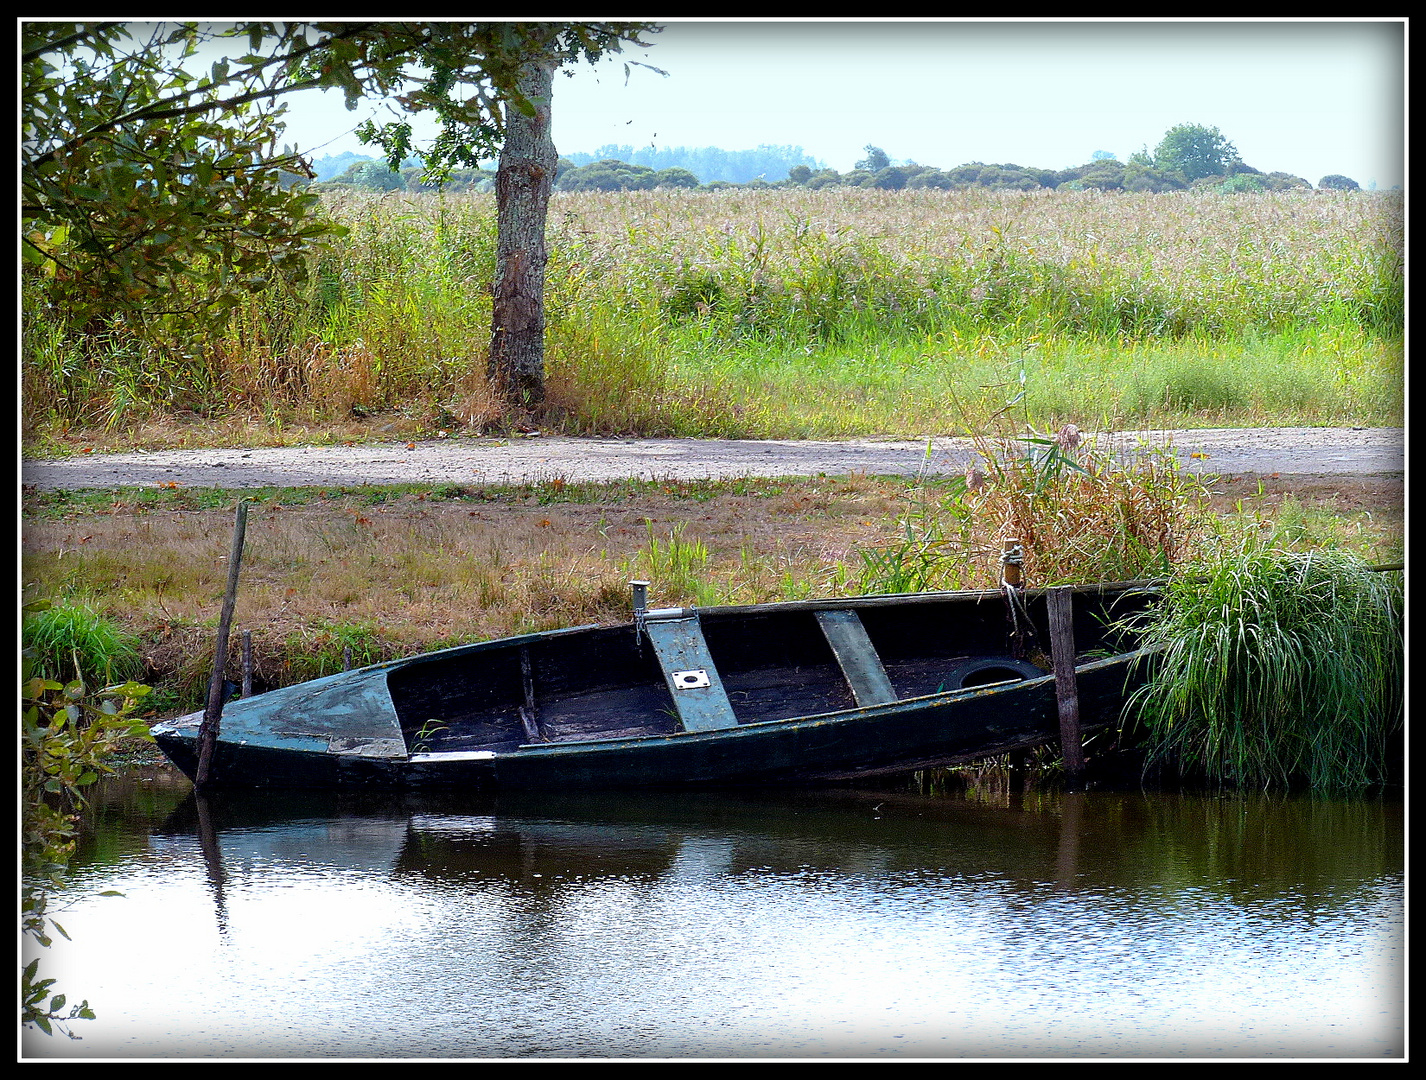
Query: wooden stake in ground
(208, 730)
(247, 663)
(1060, 602)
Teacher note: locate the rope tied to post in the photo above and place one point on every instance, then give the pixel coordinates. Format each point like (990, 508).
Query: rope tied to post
(1012, 563)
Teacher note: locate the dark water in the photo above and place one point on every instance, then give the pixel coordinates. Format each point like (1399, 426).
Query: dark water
(813, 925)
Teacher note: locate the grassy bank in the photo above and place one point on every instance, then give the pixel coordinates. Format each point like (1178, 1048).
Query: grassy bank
(780, 314)
(385, 572)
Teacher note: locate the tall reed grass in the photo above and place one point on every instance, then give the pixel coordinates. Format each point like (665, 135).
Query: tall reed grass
(1078, 512)
(71, 640)
(1276, 668)
(785, 313)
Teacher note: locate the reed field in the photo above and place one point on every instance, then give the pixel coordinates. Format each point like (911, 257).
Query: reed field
(777, 313)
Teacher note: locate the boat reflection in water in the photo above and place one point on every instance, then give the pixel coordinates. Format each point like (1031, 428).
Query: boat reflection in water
(813, 924)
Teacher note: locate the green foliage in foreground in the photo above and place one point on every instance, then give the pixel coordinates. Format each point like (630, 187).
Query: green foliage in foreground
(68, 737)
(1277, 668)
(72, 641)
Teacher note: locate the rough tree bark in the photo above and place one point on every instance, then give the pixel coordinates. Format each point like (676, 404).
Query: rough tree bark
(522, 191)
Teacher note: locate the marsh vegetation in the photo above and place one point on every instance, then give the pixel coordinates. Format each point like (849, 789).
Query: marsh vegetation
(733, 313)
(779, 313)
(1277, 667)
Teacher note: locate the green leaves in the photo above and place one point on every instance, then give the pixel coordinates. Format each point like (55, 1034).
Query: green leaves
(467, 74)
(1195, 151)
(149, 188)
(34, 1012)
(68, 737)
(143, 186)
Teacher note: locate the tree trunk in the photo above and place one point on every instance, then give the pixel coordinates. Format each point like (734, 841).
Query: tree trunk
(522, 193)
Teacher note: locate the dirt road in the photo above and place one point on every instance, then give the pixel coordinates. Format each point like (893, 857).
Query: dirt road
(1302, 452)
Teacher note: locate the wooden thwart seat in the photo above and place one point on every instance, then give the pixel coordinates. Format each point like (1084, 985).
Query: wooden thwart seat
(857, 657)
(697, 691)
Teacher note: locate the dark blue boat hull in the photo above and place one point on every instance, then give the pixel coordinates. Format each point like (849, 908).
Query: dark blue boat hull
(723, 697)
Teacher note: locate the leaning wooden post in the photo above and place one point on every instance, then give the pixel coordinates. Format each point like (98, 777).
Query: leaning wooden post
(1060, 602)
(208, 730)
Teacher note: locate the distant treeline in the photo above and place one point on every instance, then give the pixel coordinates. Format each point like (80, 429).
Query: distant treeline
(610, 168)
(708, 164)
(1102, 174)
(623, 168)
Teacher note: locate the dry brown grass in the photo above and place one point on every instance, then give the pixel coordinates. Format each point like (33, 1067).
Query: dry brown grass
(419, 571)
(386, 575)
(1087, 512)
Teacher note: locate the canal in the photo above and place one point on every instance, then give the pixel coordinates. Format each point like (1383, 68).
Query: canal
(824, 925)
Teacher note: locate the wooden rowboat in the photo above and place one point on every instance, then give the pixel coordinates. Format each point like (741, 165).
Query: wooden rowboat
(795, 692)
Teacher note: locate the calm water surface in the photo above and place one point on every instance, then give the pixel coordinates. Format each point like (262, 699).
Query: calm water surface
(753, 925)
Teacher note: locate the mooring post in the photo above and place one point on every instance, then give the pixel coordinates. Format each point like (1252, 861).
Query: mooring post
(208, 730)
(1012, 559)
(1060, 602)
(1012, 582)
(247, 663)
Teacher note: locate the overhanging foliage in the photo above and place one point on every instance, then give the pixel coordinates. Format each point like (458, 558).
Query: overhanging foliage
(151, 175)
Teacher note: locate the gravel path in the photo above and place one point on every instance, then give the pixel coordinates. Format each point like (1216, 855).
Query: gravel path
(1304, 452)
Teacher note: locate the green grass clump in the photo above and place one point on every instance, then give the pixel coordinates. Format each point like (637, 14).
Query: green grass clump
(73, 641)
(337, 646)
(677, 566)
(1276, 668)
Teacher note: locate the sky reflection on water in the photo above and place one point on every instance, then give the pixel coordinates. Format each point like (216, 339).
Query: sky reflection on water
(795, 925)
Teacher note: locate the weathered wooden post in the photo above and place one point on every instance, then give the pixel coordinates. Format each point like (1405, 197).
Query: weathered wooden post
(1012, 581)
(1012, 558)
(247, 663)
(1060, 602)
(208, 730)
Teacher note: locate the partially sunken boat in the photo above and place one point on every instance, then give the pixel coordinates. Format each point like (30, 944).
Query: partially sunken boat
(795, 692)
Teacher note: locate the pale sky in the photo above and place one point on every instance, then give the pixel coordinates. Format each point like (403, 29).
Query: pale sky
(1304, 97)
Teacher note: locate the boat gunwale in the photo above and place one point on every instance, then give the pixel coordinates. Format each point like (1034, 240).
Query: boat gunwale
(871, 600)
(868, 712)
(875, 600)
